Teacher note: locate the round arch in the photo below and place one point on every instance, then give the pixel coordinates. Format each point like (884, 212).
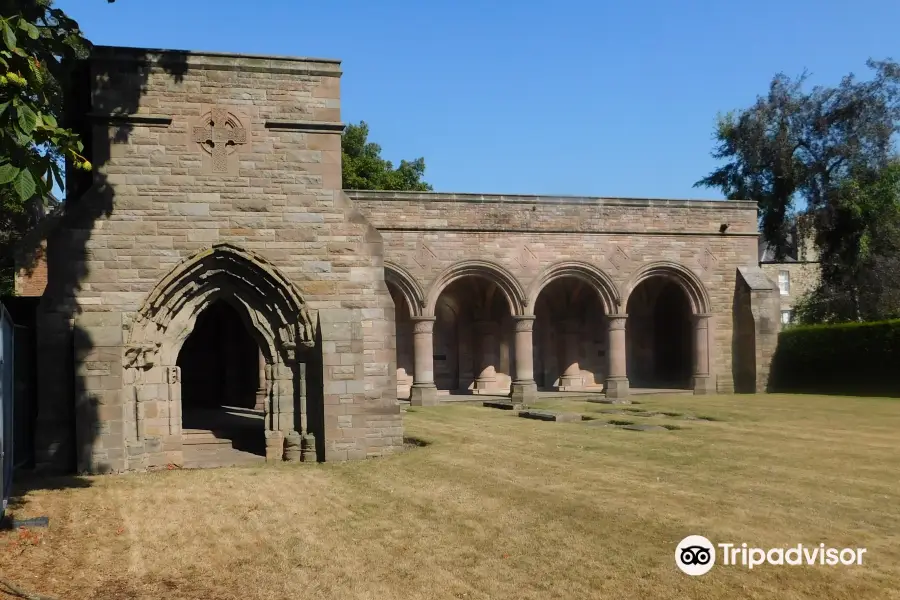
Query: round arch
(696, 292)
(505, 281)
(589, 274)
(267, 301)
(408, 286)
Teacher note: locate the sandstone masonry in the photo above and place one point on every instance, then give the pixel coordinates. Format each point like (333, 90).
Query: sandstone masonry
(218, 180)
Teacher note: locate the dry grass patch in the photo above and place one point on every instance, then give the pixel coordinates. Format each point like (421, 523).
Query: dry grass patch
(499, 507)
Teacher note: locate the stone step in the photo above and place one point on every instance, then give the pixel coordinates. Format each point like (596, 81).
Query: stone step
(199, 437)
(196, 457)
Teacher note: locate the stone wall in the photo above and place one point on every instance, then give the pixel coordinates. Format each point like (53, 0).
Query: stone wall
(804, 277)
(162, 194)
(430, 238)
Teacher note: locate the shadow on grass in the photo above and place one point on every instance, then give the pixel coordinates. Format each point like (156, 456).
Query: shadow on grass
(414, 442)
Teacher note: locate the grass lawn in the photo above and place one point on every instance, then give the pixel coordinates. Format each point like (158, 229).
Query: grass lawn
(498, 507)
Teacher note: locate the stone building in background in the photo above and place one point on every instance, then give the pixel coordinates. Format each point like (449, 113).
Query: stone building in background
(210, 284)
(796, 274)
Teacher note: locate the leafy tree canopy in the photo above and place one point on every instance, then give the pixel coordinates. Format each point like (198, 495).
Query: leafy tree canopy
(38, 43)
(859, 240)
(365, 169)
(37, 46)
(793, 145)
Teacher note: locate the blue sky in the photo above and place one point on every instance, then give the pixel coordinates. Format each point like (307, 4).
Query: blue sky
(563, 97)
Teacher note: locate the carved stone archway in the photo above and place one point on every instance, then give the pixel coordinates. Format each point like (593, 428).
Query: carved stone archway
(272, 311)
(407, 285)
(699, 335)
(505, 281)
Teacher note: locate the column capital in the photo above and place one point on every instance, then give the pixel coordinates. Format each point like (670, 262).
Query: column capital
(423, 324)
(617, 321)
(701, 319)
(524, 322)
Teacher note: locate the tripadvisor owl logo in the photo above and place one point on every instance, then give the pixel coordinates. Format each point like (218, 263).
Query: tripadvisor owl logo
(695, 555)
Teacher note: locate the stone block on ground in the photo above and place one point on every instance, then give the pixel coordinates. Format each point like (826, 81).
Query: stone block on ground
(544, 415)
(502, 405)
(644, 428)
(611, 401)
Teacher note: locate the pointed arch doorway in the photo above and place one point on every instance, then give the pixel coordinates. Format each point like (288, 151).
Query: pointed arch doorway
(231, 343)
(222, 386)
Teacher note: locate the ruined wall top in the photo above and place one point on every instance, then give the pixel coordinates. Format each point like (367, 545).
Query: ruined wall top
(227, 61)
(390, 210)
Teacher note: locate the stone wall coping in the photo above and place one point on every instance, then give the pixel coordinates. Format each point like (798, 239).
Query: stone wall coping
(304, 126)
(227, 61)
(391, 196)
(756, 279)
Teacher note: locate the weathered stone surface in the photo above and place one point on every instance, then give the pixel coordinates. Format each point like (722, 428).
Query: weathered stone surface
(234, 187)
(502, 405)
(541, 415)
(644, 427)
(611, 401)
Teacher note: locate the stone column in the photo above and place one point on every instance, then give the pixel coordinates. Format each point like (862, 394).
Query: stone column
(423, 391)
(617, 374)
(524, 388)
(486, 374)
(703, 382)
(571, 379)
(261, 388)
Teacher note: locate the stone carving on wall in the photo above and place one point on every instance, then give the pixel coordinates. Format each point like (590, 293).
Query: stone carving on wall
(617, 257)
(218, 133)
(142, 356)
(525, 324)
(707, 259)
(424, 255)
(527, 258)
(423, 325)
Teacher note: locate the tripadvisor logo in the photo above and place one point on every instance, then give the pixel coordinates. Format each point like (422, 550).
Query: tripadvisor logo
(696, 555)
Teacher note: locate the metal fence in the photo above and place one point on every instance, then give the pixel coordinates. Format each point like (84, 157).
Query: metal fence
(6, 405)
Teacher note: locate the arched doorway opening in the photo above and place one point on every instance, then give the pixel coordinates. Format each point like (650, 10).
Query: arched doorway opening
(570, 337)
(473, 338)
(404, 330)
(659, 335)
(222, 383)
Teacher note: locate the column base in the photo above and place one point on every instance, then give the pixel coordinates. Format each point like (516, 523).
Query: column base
(617, 387)
(703, 385)
(292, 446)
(260, 400)
(523, 392)
(274, 446)
(423, 395)
(308, 451)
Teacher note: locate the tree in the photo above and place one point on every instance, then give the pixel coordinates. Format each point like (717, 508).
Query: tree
(792, 145)
(859, 240)
(39, 43)
(364, 169)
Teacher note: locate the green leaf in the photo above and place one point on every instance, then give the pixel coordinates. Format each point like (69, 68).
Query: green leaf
(9, 37)
(3, 107)
(30, 29)
(57, 175)
(7, 173)
(49, 120)
(28, 119)
(24, 185)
